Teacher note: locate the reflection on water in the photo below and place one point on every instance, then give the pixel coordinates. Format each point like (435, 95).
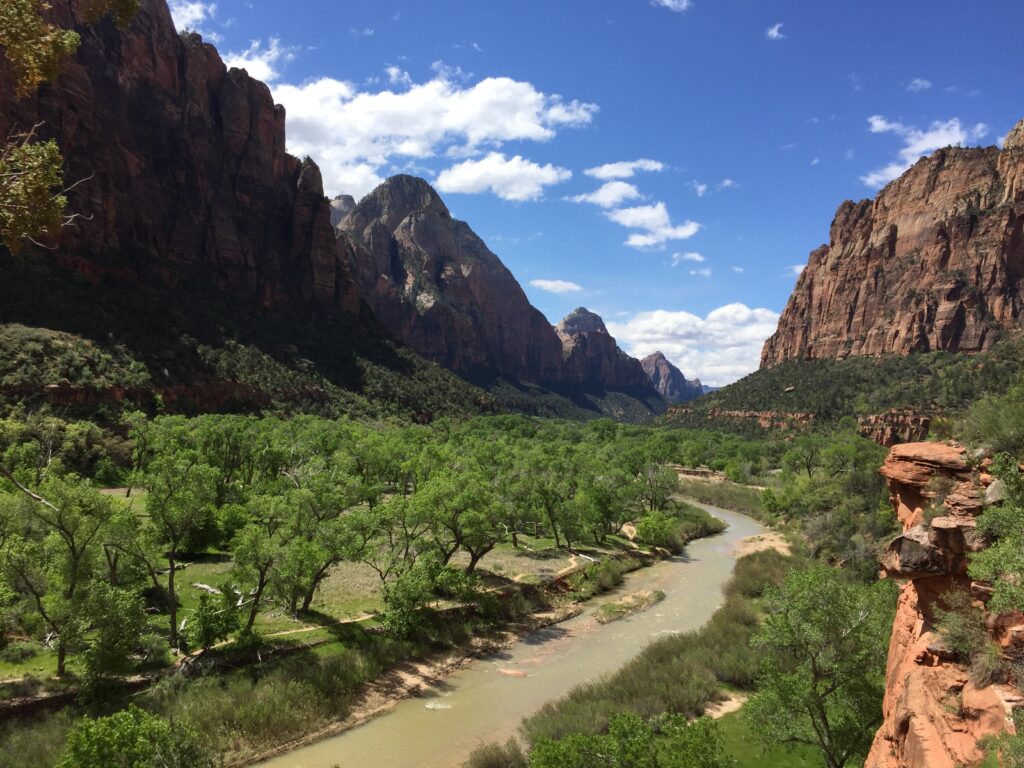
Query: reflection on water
(487, 700)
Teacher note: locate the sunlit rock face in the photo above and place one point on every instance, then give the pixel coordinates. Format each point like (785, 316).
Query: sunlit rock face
(934, 716)
(934, 262)
(669, 381)
(590, 354)
(437, 286)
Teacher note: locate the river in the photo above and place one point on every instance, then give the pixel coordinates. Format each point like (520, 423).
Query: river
(479, 703)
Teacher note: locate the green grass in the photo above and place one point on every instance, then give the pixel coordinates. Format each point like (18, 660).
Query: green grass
(740, 498)
(747, 752)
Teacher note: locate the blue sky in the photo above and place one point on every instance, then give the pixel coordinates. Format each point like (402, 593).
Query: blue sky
(754, 120)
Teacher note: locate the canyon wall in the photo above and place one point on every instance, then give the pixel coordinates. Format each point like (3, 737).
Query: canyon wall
(934, 715)
(934, 262)
(179, 169)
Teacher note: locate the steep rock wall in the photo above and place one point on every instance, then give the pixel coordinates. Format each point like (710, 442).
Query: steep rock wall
(934, 262)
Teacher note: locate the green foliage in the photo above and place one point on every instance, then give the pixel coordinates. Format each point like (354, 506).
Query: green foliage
(132, 738)
(508, 755)
(214, 619)
(933, 383)
(822, 680)
(1002, 563)
(34, 47)
(997, 420)
(961, 624)
(31, 174)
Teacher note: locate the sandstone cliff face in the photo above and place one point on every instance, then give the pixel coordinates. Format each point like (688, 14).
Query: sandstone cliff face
(590, 354)
(436, 286)
(934, 262)
(894, 427)
(933, 714)
(669, 381)
(183, 169)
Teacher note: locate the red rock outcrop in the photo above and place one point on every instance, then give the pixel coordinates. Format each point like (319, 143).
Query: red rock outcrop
(669, 381)
(590, 354)
(934, 262)
(182, 170)
(933, 714)
(893, 427)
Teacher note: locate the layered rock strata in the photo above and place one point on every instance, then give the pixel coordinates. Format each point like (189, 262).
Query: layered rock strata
(934, 262)
(934, 715)
(591, 355)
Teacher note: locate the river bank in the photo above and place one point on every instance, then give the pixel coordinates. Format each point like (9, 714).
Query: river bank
(478, 700)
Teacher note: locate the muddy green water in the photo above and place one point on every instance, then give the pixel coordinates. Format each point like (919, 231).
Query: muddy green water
(478, 703)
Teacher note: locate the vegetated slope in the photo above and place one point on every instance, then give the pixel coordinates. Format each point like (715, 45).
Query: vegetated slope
(800, 391)
(934, 262)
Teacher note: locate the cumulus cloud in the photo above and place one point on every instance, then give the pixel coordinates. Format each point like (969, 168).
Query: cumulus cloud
(700, 189)
(719, 348)
(774, 32)
(702, 272)
(193, 15)
(512, 178)
(608, 195)
(262, 63)
(623, 170)
(918, 142)
(674, 5)
(398, 76)
(557, 286)
(355, 135)
(655, 224)
(795, 270)
(919, 84)
(679, 258)
(728, 184)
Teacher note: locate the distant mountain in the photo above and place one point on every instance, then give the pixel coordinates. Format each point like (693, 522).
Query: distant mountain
(438, 288)
(707, 389)
(590, 354)
(934, 262)
(669, 381)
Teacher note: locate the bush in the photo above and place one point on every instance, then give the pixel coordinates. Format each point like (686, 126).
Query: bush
(19, 652)
(509, 755)
(988, 667)
(961, 625)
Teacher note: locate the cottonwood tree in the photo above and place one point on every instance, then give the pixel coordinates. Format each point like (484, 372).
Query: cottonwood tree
(178, 505)
(823, 678)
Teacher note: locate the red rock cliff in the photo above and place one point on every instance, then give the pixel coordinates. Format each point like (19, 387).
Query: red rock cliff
(590, 354)
(182, 168)
(933, 714)
(934, 262)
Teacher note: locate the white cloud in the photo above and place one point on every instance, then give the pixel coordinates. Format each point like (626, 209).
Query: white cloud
(261, 63)
(657, 228)
(702, 272)
(509, 178)
(557, 286)
(356, 135)
(364, 32)
(608, 195)
(674, 5)
(737, 270)
(623, 170)
(816, 161)
(192, 15)
(728, 184)
(795, 270)
(719, 348)
(917, 143)
(679, 258)
(398, 76)
(774, 32)
(919, 84)
(699, 189)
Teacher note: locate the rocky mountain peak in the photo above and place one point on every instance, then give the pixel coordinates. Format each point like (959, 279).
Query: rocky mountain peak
(341, 206)
(581, 320)
(669, 381)
(394, 200)
(1015, 138)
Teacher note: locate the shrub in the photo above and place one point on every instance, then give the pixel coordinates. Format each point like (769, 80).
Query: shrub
(509, 755)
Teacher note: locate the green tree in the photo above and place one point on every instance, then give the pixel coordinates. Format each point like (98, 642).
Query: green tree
(214, 619)
(1002, 563)
(822, 681)
(133, 738)
(179, 503)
